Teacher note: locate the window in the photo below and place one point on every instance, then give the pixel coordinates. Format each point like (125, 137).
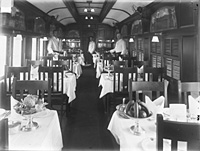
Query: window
(17, 51)
(33, 56)
(3, 42)
(41, 47)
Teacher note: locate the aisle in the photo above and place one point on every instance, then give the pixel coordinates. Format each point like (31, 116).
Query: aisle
(86, 126)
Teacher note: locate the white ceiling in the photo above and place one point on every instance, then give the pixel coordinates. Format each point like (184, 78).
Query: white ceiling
(120, 10)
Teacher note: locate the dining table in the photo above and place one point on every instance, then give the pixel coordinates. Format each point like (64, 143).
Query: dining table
(47, 136)
(69, 87)
(121, 128)
(77, 69)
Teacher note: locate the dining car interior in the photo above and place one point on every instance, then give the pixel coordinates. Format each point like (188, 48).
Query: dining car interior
(100, 75)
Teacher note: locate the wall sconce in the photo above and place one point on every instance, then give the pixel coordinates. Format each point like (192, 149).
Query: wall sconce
(6, 6)
(155, 38)
(19, 37)
(45, 39)
(131, 40)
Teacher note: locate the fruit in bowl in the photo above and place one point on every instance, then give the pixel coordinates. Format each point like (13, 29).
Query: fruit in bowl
(30, 105)
(140, 108)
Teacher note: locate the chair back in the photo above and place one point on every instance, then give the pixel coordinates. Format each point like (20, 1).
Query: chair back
(44, 73)
(108, 60)
(177, 131)
(130, 60)
(153, 74)
(35, 63)
(121, 64)
(187, 88)
(21, 73)
(68, 60)
(150, 88)
(47, 60)
(121, 77)
(62, 63)
(35, 87)
(57, 76)
(140, 63)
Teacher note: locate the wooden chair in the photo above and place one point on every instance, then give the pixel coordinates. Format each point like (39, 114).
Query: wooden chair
(4, 134)
(57, 97)
(120, 85)
(177, 131)
(35, 87)
(108, 60)
(68, 59)
(153, 74)
(152, 89)
(44, 73)
(21, 73)
(47, 60)
(187, 88)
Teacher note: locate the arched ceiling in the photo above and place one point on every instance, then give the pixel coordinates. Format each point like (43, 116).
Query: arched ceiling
(106, 11)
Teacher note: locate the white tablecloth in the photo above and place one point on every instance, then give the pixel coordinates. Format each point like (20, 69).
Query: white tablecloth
(77, 69)
(69, 86)
(47, 137)
(106, 82)
(120, 128)
(99, 69)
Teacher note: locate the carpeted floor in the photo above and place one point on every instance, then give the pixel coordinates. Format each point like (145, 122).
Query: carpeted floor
(86, 126)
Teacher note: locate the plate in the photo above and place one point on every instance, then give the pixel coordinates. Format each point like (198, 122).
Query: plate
(149, 144)
(2, 111)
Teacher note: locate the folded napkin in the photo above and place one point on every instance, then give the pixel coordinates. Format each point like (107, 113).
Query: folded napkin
(155, 106)
(194, 105)
(14, 115)
(34, 72)
(140, 69)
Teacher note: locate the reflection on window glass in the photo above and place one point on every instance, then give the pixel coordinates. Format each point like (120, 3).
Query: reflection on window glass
(41, 47)
(33, 56)
(3, 40)
(17, 50)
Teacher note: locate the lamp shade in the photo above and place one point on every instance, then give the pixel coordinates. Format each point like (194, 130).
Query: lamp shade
(6, 6)
(155, 39)
(131, 40)
(19, 37)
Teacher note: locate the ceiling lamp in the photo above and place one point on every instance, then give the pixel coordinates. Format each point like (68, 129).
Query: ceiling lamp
(89, 9)
(6, 6)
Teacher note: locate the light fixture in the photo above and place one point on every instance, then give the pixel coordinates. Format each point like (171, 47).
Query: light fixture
(19, 37)
(155, 39)
(89, 9)
(89, 26)
(63, 40)
(45, 39)
(6, 6)
(86, 17)
(113, 40)
(131, 40)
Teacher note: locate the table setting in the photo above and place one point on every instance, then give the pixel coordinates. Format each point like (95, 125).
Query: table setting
(31, 126)
(135, 130)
